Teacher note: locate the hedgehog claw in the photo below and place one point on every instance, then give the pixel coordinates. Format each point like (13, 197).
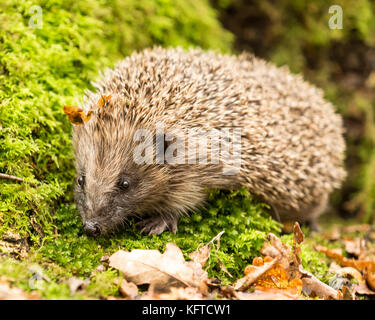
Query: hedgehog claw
(157, 225)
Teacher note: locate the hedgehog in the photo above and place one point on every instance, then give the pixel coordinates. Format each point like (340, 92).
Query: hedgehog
(288, 140)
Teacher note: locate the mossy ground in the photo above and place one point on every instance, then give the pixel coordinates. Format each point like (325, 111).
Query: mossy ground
(71, 253)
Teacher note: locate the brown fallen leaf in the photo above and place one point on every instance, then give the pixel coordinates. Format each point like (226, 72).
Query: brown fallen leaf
(224, 268)
(362, 289)
(228, 292)
(347, 293)
(267, 294)
(188, 293)
(355, 247)
(343, 277)
(350, 273)
(253, 273)
(127, 289)
(76, 284)
(76, 114)
(9, 293)
(298, 234)
(291, 262)
(298, 238)
(103, 101)
(370, 278)
(276, 249)
(163, 271)
(361, 265)
(333, 235)
(100, 268)
(356, 228)
(276, 277)
(312, 286)
(201, 255)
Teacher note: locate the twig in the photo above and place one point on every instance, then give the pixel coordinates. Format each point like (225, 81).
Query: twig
(14, 178)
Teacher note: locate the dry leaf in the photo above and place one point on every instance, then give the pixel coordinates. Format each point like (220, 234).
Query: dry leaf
(355, 247)
(314, 287)
(266, 294)
(8, 293)
(363, 289)
(297, 239)
(361, 265)
(163, 271)
(370, 278)
(350, 273)
(293, 267)
(76, 284)
(298, 234)
(357, 228)
(224, 268)
(333, 235)
(104, 259)
(267, 273)
(100, 268)
(253, 273)
(347, 294)
(127, 289)
(201, 255)
(344, 275)
(276, 249)
(180, 293)
(76, 115)
(103, 101)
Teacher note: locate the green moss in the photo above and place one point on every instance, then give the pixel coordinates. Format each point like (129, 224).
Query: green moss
(71, 253)
(51, 282)
(43, 69)
(245, 222)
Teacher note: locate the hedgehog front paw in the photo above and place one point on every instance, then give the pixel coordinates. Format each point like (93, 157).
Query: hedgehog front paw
(157, 225)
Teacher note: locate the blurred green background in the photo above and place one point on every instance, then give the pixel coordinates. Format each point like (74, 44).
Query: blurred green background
(340, 61)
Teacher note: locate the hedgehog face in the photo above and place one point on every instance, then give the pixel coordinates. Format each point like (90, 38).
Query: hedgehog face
(106, 201)
(110, 186)
(104, 206)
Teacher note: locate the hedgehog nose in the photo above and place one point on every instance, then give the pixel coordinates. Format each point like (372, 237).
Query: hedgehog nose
(91, 228)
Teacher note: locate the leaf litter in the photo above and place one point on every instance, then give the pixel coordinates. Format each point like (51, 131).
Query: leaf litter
(276, 275)
(279, 274)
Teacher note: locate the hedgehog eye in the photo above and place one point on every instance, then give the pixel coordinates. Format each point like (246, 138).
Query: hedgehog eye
(123, 184)
(81, 181)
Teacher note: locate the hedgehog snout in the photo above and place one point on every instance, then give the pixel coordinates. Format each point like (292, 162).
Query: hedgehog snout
(92, 228)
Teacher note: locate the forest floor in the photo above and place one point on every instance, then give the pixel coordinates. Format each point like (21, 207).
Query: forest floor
(337, 263)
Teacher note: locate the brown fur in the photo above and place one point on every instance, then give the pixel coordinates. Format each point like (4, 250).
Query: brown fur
(292, 143)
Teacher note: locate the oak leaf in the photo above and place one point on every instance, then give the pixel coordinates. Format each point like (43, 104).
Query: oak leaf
(162, 271)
